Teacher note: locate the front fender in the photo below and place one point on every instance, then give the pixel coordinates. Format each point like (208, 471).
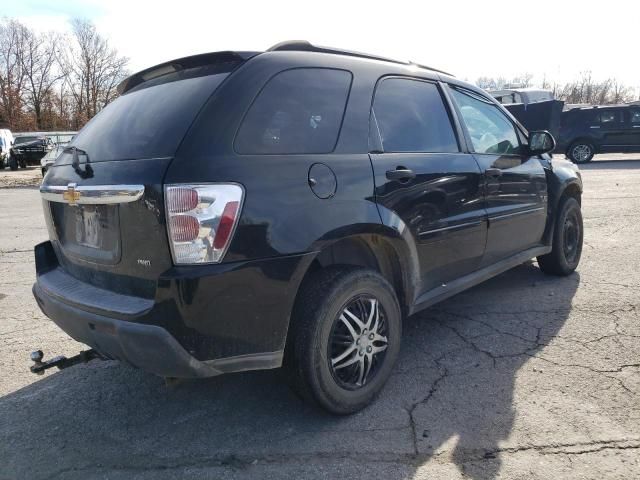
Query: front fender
(562, 176)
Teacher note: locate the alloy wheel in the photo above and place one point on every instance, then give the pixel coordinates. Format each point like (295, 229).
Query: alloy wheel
(358, 342)
(581, 153)
(571, 237)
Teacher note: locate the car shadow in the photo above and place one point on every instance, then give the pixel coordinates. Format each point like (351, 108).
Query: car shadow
(454, 382)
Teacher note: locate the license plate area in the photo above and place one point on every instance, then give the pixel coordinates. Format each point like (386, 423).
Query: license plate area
(88, 232)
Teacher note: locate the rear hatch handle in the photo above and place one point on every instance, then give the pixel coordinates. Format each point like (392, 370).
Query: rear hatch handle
(92, 194)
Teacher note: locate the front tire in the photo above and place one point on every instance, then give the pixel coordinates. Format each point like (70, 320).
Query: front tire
(581, 152)
(344, 339)
(13, 163)
(567, 240)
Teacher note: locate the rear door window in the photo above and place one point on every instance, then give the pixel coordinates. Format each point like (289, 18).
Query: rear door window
(298, 111)
(411, 117)
(610, 116)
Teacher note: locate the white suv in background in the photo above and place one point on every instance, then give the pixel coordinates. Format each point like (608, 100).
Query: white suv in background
(6, 139)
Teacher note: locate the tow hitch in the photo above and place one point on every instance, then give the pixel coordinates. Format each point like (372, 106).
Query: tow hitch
(60, 361)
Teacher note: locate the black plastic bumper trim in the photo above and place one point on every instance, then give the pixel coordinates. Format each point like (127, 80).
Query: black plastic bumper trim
(68, 289)
(148, 347)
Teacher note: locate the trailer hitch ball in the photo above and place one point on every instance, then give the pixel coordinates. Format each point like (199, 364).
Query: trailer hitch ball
(37, 356)
(60, 361)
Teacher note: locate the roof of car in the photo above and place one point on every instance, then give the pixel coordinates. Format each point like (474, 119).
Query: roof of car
(594, 107)
(305, 46)
(232, 56)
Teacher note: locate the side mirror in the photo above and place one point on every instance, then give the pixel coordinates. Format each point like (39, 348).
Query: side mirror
(541, 142)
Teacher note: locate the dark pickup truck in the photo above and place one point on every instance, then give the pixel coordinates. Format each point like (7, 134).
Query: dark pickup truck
(28, 150)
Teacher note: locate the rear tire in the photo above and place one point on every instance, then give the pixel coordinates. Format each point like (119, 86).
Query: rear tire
(581, 152)
(13, 163)
(568, 235)
(336, 364)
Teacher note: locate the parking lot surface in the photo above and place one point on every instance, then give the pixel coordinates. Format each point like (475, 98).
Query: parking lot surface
(525, 376)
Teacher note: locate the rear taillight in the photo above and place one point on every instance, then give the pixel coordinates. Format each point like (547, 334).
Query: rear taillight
(201, 220)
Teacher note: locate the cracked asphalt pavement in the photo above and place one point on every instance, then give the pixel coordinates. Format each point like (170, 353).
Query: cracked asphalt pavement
(524, 377)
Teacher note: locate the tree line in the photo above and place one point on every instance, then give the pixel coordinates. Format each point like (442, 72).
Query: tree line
(52, 81)
(585, 89)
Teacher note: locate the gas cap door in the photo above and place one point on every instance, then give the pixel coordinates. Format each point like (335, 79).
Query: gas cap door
(322, 181)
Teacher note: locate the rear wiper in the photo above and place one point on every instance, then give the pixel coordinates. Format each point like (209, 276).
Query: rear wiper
(75, 162)
(75, 151)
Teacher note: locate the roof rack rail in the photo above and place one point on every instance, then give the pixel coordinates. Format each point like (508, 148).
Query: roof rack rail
(305, 46)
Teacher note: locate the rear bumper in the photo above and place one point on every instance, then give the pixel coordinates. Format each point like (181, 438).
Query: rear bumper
(213, 333)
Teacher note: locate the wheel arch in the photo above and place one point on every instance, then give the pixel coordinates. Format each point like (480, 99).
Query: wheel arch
(564, 186)
(380, 249)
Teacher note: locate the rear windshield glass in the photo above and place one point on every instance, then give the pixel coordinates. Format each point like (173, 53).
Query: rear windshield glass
(148, 122)
(298, 111)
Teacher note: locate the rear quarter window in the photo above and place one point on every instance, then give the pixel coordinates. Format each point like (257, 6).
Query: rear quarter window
(298, 111)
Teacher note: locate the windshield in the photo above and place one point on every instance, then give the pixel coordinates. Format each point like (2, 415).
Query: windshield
(148, 122)
(24, 140)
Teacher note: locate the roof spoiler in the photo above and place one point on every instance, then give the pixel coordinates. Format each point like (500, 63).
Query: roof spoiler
(305, 46)
(181, 64)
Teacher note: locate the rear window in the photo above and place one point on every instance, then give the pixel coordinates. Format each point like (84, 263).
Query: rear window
(298, 111)
(148, 122)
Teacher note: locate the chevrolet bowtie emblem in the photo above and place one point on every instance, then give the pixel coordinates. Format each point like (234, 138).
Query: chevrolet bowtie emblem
(71, 196)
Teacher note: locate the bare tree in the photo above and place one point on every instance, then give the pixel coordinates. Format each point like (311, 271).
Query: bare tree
(582, 90)
(12, 76)
(94, 70)
(39, 63)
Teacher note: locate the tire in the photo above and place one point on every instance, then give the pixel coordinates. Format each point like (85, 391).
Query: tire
(320, 342)
(568, 235)
(13, 163)
(581, 152)
(23, 163)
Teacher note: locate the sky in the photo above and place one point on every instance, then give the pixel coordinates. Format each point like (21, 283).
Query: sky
(556, 39)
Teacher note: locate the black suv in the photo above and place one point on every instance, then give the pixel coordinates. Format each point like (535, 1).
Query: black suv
(587, 131)
(28, 150)
(238, 210)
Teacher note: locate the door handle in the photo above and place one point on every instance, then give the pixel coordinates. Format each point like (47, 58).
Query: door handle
(493, 172)
(400, 173)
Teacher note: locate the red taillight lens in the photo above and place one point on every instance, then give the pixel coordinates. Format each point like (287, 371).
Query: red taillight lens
(184, 228)
(226, 224)
(182, 200)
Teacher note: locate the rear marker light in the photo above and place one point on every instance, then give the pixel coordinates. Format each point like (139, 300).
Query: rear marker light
(226, 224)
(201, 220)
